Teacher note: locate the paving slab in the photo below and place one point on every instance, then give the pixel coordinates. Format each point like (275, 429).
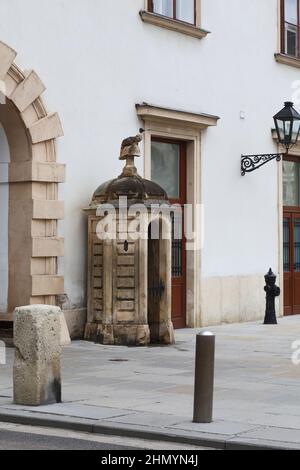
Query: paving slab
(227, 428)
(274, 434)
(72, 410)
(147, 419)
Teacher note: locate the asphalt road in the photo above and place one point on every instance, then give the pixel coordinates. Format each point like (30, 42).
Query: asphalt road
(11, 440)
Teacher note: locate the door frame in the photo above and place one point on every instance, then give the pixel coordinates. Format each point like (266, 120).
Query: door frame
(188, 126)
(182, 200)
(192, 137)
(294, 155)
(291, 213)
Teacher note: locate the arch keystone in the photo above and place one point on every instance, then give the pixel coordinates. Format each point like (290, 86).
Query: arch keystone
(27, 91)
(7, 56)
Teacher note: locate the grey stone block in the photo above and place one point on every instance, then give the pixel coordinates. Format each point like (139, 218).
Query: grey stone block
(37, 376)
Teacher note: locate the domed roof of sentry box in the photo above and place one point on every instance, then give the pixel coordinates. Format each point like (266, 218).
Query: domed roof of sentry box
(129, 184)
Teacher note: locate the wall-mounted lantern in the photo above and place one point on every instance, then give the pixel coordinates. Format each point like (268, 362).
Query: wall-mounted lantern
(287, 125)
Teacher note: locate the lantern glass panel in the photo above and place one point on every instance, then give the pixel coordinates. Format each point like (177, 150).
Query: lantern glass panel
(281, 129)
(295, 131)
(287, 131)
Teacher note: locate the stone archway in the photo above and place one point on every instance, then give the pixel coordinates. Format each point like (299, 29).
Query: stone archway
(33, 177)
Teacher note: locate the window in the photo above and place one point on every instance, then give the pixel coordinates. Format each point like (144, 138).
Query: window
(181, 10)
(165, 166)
(290, 34)
(181, 16)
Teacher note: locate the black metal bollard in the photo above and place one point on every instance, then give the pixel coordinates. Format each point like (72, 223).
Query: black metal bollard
(204, 377)
(272, 291)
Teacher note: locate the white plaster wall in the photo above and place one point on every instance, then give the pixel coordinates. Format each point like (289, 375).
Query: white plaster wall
(97, 59)
(4, 192)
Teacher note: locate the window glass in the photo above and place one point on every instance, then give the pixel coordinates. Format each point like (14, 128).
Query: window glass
(291, 39)
(185, 10)
(291, 27)
(291, 14)
(163, 7)
(291, 173)
(165, 165)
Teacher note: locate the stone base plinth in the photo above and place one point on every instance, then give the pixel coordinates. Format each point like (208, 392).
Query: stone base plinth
(118, 335)
(128, 334)
(166, 333)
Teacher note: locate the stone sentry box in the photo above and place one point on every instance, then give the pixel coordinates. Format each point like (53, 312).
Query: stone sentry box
(129, 274)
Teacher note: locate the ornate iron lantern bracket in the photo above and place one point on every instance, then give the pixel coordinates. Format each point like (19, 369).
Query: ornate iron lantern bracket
(287, 124)
(253, 162)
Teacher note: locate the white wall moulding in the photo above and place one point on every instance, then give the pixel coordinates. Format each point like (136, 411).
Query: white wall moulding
(46, 129)
(287, 60)
(31, 134)
(193, 120)
(174, 25)
(47, 285)
(37, 171)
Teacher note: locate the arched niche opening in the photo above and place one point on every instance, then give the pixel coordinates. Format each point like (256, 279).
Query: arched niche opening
(156, 286)
(159, 281)
(16, 226)
(4, 212)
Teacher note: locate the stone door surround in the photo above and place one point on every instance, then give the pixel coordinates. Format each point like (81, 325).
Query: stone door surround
(33, 175)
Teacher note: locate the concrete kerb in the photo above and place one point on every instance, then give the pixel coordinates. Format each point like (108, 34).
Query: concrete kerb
(88, 425)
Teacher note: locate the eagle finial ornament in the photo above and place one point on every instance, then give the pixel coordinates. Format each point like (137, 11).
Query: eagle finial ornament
(130, 147)
(129, 150)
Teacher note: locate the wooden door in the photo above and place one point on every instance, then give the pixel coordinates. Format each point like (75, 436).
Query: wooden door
(291, 262)
(287, 264)
(169, 169)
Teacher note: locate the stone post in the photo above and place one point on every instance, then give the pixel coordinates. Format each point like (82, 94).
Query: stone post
(37, 338)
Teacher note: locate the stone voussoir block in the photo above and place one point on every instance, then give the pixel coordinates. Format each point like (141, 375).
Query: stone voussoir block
(46, 128)
(37, 371)
(27, 91)
(7, 56)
